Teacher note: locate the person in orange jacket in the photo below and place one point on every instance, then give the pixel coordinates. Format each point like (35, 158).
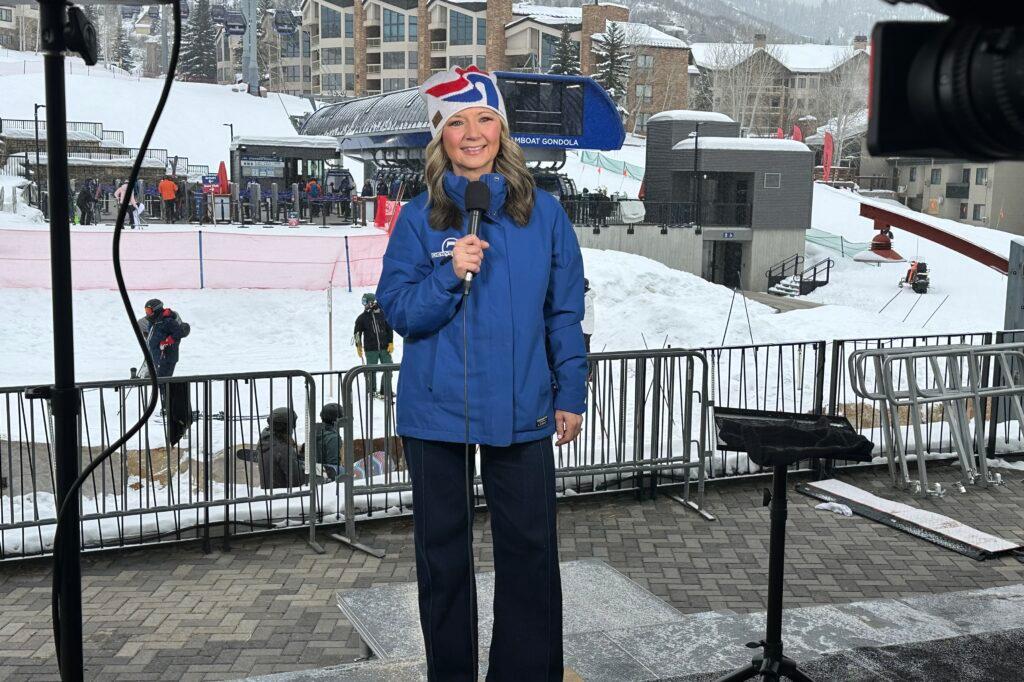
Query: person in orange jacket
(169, 193)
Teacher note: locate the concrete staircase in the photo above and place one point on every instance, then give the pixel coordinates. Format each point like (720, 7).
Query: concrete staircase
(787, 287)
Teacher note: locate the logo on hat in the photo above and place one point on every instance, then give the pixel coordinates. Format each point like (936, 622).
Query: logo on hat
(471, 85)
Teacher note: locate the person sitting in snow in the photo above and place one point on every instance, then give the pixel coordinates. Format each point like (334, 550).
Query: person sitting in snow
(280, 461)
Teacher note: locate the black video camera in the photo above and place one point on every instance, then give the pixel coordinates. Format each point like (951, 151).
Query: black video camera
(952, 89)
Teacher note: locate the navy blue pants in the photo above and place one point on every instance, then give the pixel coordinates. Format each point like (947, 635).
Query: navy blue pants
(519, 483)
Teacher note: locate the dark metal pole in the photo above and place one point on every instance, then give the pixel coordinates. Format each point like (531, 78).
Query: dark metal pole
(696, 171)
(64, 398)
(36, 108)
(776, 564)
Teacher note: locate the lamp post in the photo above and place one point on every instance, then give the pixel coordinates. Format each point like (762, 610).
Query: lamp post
(232, 127)
(35, 115)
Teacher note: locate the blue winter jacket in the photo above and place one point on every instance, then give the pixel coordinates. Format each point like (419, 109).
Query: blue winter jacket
(526, 353)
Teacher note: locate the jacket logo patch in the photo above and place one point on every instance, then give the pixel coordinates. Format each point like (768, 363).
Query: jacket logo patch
(542, 421)
(446, 248)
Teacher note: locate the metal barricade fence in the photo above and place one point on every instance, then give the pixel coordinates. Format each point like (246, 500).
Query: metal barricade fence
(177, 479)
(648, 427)
(1005, 436)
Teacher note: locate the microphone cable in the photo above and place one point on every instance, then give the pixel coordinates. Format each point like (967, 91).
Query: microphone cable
(71, 497)
(469, 486)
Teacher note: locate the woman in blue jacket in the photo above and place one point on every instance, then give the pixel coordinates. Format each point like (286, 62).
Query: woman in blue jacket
(525, 375)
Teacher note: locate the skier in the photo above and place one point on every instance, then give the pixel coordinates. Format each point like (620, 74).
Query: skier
(169, 194)
(280, 462)
(164, 331)
(133, 211)
(327, 441)
(84, 201)
(373, 332)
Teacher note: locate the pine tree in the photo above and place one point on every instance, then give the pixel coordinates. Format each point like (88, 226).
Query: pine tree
(613, 62)
(567, 55)
(198, 51)
(122, 48)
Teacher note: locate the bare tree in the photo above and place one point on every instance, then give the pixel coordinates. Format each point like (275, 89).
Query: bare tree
(843, 98)
(743, 81)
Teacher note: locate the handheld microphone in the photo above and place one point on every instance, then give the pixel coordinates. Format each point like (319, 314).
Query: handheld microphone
(478, 200)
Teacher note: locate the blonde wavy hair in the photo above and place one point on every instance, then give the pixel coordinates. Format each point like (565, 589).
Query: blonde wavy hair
(510, 162)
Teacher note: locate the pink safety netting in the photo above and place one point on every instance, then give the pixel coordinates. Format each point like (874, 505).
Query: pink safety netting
(171, 260)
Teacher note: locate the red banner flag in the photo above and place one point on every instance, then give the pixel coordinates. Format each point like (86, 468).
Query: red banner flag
(826, 158)
(779, 134)
(798, 134)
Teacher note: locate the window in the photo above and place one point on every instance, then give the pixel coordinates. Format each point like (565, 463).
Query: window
(979, 212)
(394, 60)
(414, 59)
(936, 176)
(290, 45)
(481, 62)
(330, 23)
(6, 14)
(800, 103)
(413, 82)
(350, 55)
(306, 73)
(459, 61)
(965, 175)
(645, 61)
(414, 27)
(331, 55)
(290, 73)
(548, 48)
(350, 81)
(913, 173)
(481, 31)
(305, 43)
(331, 82)
(641, 123)
(394, 26)
(460, 29)
(348, 25)
(772, 180)
(980, 176)
(776, 101)
(391, 84)
(644, 93)
(801, 83)
(963, 211)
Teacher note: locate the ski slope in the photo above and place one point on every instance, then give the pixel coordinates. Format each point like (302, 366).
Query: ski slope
(977, 294)
(192, 122)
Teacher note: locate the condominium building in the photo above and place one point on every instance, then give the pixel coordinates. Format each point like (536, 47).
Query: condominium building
(986, 194)
(766, 85)
(19, 26)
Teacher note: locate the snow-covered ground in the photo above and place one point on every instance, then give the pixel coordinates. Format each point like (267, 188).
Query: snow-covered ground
(977, 294)
(191, 124)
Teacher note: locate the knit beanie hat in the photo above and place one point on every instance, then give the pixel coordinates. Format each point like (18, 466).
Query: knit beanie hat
(449, 92)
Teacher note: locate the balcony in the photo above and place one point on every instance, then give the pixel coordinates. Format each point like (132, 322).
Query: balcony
(372, 43)
(957, 190)
(438, 45)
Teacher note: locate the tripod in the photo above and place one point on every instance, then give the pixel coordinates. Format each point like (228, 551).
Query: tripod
(772, 664)
(778, 439)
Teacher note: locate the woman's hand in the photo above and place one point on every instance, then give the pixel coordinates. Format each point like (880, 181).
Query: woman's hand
(468, 254)
(567, 426)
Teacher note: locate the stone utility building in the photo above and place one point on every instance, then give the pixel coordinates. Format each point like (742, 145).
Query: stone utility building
(754, 197)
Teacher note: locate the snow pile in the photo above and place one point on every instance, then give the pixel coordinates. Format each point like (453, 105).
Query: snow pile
(15, 207)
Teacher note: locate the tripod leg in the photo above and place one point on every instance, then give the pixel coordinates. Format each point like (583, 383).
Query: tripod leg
(745, 673)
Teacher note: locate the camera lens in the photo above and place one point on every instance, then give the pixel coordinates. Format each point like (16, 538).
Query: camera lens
(967, 84)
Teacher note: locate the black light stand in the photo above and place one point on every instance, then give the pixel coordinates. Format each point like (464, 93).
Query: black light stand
(778, 439)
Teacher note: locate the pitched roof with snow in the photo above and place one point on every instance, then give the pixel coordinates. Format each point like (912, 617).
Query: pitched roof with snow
(745, 144)
(642, 34)
(801, 58)
(562, 14)
(689, 115)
